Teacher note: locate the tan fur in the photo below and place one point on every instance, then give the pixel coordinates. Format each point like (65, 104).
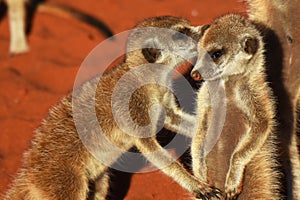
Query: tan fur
(297, 121)
(242, 163)
(282, 17)
(58, 166)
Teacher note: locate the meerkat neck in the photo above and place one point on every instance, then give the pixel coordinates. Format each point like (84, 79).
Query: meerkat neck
(254, 69)
(257, 63)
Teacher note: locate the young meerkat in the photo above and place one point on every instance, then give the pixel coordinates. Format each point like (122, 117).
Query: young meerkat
(58, 166)
(242, 161)
(20, 20)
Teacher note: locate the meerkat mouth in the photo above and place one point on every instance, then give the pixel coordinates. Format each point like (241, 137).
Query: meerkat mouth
(197, 76)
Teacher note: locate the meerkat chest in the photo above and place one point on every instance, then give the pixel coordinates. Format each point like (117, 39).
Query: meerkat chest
(233, 129)
(235, 124)
(236, 112)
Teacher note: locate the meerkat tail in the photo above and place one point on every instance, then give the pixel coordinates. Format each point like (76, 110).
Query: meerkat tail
(71, 13)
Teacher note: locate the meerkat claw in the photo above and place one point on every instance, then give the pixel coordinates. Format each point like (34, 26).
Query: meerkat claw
(231, 196)
(218, 193)
(207, 195)
(215, 193)
(201, 196)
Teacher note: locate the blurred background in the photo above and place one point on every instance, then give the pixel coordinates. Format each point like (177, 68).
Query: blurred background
(31, 83)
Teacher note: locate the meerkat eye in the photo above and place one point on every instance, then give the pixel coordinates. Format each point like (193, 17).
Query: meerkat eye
(181, 34)
(215, 55)
(178, 36)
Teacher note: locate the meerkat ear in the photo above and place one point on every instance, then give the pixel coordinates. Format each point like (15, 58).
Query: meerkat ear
(200, 30)
(203, 28)
(250, 45)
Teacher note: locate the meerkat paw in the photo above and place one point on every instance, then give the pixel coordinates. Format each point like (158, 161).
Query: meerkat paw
(234, 182)
(232, 192)
(208, 192)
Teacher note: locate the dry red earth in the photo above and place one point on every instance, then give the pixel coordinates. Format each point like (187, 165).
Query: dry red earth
(33, 82)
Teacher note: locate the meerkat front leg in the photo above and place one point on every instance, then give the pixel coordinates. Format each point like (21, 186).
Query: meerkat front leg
(198, 162)
(17, 14)
(151, 149)
(248, 146)
(177, 120)
(161, 158)
(198, 148)
(258, 128)
(102, 186)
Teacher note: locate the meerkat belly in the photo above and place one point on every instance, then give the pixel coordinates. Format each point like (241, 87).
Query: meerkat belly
(259, 174)
(219, 158)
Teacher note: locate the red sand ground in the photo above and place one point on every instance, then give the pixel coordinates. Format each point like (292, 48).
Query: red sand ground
(33, 82)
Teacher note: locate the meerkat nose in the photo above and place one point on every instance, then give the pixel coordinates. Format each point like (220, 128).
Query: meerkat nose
(195, 74)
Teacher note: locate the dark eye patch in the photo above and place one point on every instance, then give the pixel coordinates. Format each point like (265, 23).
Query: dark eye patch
(216, 54)
(178, 36)
(181, 34)
(151, 54)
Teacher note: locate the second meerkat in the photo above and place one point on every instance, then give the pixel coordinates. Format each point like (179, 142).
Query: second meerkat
(243, 160)
(58, 166)
(280, 19)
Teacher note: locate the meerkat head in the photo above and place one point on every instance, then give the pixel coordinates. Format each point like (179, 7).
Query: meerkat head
(231, 45)
(163, 40)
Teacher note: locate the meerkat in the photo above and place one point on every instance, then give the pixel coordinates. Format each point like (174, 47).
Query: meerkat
(280, 18)
(59, 166)
(242, 162)
(19, 20)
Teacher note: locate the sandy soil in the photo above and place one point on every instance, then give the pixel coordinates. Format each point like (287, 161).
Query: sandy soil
(33, 82)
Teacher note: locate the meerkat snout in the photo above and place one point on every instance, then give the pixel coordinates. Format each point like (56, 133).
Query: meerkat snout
(195, 74)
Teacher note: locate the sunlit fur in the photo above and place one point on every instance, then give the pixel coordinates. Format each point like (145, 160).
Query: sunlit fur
(58, 166)
(282, 17)
(243, 161)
